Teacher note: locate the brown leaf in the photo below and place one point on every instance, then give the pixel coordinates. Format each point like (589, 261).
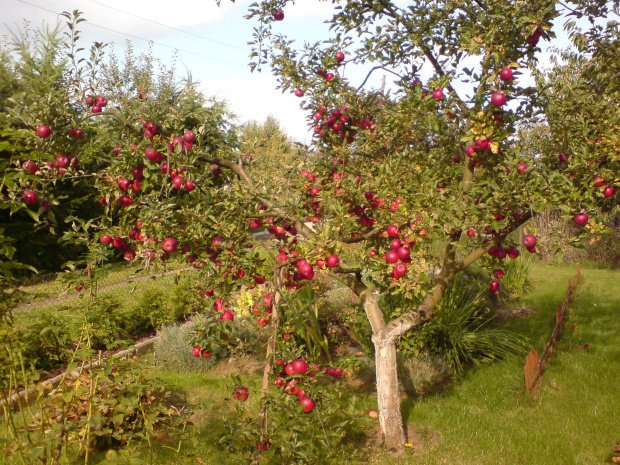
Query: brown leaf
(574, 326)
(616, 448)
(554, 385)
(583, 347)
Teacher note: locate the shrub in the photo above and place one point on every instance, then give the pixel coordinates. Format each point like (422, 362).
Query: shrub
(173, 350)
(462, 332)
(422, 374)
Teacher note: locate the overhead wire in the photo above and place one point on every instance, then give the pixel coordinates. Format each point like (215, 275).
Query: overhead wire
(139, 38)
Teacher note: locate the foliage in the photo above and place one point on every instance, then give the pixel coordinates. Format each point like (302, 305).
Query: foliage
(292, 435)
(116, 403)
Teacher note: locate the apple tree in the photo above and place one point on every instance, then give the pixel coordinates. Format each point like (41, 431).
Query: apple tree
(416, 184)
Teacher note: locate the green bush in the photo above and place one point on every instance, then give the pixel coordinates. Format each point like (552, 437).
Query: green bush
(173, 350)
(515, 281)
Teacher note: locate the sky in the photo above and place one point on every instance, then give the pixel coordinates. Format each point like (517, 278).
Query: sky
(211, 42)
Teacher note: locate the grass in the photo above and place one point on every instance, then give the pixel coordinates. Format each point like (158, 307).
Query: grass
(485, 417)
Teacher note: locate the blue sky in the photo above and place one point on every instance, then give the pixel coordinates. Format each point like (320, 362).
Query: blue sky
(213, 47)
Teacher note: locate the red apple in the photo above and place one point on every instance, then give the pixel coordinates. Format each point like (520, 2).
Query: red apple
(329, 76)
(189, 186)
(169, 245)
(241, 393)
(107, 239)
(529, 240)
(505, 74)
(299, 93)
(563, 157)
(600, 181)
(189, 136)
(581, 219)
(178, 182)
(44, 131)
(333, 261)
(521, 167)
(339, 57)
(471, 233)
(197, 351)
(76, 133)
(400, 270)
(307, 403)
(101, 101)
(29, 197)
(30, 166)
(403, 253)
(124, 184)
(498, 99)
(534, 37)
(513, 252)
(438, 94)
(96, 109)
(62, 161)
(278, 15)
(494, 286)
(609, 191)
(227, 315)
(151, 154)
(498, 274)
(393, 231)
(392, 257)
(300, 366)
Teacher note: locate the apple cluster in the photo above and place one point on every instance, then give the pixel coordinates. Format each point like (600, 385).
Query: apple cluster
(96, 104)
(293, 377)
(340, 121)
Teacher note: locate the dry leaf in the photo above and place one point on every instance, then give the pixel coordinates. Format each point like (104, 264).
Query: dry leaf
(574, 326)
(583, 347)
(554, 386)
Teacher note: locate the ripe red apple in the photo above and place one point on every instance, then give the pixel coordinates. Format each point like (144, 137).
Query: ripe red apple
(501, 254)
(513, 252)
(124, 184)
(400, 270)
(288, 369)
(403, 253)
(609, 191)
(396, 244)
(521, 167)
(498, 274)
(505, 74)
(529, 240)
(300, 366)
(241, 393)
(178, 182)
(307, 403)
(107, 239)
(534, 37)
(438, 94)
(494, 286)
(125, 201)
(531, 249)
(44, 131)
(563, 157)
(197, 351)
(471, 233)
(101, 101)
(76, 133)
(62, 161)
(96, 109)
(498, 99)
(278, 15)
(189, 186)
(339, 57)
(29, 197)
(169, 245)
(333, 261)
(493, 251)
(581, 219)
(299, 93)
(227, 315)
(189, 136)
(392, 257)
(329, 76)
(30, 166)
(151, 153)
(393, 231)
(600, 181)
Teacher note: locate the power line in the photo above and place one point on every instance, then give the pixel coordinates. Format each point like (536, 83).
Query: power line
(139, 38)
(169, 27)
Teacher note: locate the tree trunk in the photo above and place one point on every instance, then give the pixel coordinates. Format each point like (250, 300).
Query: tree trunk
(388, 395)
